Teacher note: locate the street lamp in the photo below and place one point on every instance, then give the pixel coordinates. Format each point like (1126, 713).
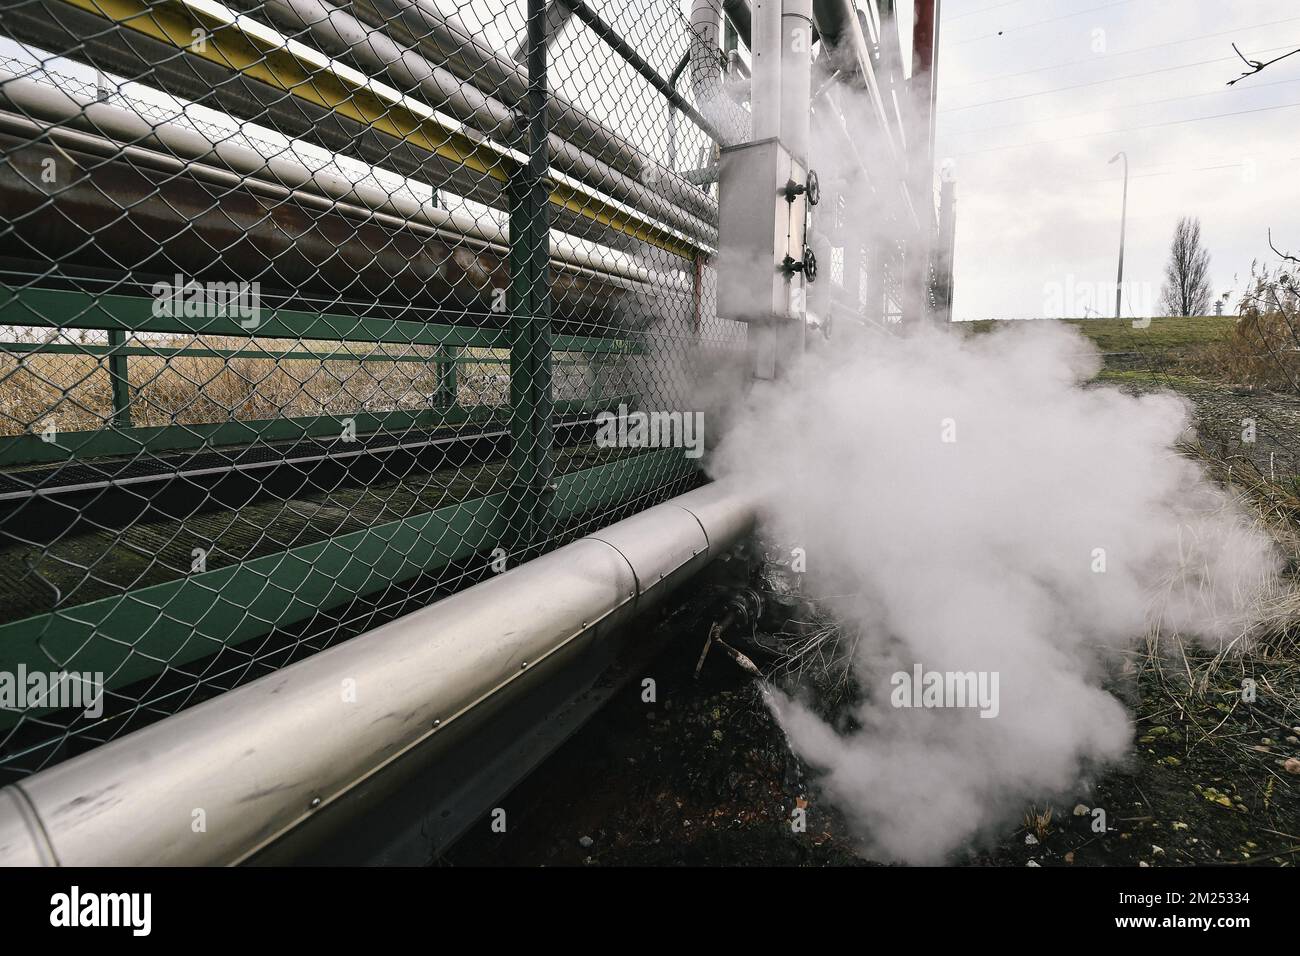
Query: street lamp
(1123, 218)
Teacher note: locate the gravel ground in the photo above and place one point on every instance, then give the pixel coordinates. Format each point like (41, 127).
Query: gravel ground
(1222, 412)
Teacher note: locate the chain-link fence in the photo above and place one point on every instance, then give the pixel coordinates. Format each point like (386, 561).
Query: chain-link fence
(313, 312)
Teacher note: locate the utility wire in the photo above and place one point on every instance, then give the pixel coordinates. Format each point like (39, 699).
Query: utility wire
(1111, 109)
(1039, 23)
(1130, 129)
(1102, 57)
(974, 182)
(974, 13)
(1111, 79)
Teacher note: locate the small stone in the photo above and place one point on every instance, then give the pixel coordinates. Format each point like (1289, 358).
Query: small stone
(585, 842)
(1179, 825)
(1158, 731)
(1171, 761)
(1156, 850)
(1293, 740)
(1080, 810)
(1143, 863)
(1033, 863)
(1069, 858)
(1266, 741)
(1291, 765)
(1031, 840)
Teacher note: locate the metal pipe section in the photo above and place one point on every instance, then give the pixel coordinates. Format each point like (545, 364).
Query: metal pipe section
(831, 18)
(337, 33)
(921, 87)
(765, 88)
(729, 118)
(309, 249)
(871, 139)
(259, 762)
(796, 77)
(857, 42)
(53, 105)
(444, 38)
(624, 49)
(741, 18)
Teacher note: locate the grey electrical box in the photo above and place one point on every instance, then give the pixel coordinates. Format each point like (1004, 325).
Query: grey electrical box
(759, 225)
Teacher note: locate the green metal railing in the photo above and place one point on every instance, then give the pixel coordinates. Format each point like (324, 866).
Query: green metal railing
(459, 256)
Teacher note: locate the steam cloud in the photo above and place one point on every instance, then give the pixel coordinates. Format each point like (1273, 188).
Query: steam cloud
(979, 554)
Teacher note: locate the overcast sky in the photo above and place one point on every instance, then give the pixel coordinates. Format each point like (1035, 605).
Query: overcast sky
(1036, 95)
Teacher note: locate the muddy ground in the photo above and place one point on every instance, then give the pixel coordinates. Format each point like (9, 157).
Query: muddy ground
(703, 776)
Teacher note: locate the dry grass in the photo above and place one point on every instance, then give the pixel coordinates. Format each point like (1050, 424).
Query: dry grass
(1262, 348)
(1204, 686)
(74, 392)
(1039, 822)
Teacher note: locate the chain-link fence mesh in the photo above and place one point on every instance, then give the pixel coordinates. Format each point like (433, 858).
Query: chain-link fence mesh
(313, 312)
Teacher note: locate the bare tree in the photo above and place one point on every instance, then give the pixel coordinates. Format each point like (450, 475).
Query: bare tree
(1187, 274)
(1255, 65)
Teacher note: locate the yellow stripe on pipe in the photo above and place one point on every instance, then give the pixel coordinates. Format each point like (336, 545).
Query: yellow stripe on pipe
(207, 30)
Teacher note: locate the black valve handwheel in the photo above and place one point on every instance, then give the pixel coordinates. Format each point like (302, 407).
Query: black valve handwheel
(809, 264)
(814, 188)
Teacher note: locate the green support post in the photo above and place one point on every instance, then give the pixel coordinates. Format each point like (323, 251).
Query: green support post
(118, 374)
(530, 312)
(445, 370)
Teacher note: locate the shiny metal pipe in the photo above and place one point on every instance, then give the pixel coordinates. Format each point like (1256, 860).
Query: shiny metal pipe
(256, 763)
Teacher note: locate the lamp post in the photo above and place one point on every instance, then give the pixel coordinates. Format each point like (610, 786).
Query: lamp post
(1123, 219)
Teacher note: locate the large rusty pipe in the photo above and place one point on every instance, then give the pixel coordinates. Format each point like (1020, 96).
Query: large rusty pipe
(172, 138)
(144, 222)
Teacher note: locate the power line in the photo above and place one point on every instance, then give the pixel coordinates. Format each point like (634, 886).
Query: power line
(1111, 79)
(1098, 58)
(1112, 109)
(975, 182)
(1039, 23)
(1130, 129)
(972, 13)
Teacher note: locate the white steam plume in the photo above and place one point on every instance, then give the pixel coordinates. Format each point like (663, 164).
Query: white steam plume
(981, 554)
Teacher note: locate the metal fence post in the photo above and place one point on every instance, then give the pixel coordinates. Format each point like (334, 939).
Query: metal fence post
(530, 309)
(445, 371)
(118, 375)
